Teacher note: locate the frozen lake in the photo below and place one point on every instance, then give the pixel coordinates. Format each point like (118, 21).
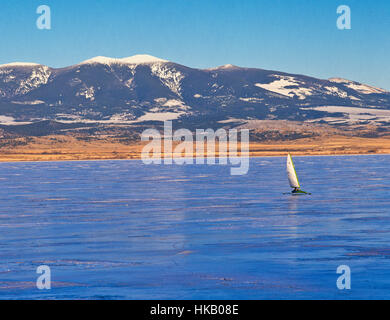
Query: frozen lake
(125, 230)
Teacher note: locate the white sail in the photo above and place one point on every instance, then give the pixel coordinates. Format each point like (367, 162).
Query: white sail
(291, 173)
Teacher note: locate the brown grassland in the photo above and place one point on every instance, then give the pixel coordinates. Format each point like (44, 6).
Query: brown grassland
(63, 147)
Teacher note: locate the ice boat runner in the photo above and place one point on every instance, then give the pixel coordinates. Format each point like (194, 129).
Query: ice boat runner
(293, 178)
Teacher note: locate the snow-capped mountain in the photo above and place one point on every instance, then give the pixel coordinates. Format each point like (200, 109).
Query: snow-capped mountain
(145, 88)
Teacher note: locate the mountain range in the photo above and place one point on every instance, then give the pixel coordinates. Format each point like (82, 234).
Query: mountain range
(142, 89)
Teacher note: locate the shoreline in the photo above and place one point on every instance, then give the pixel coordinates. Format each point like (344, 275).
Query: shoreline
(67, 148)
(296, 155)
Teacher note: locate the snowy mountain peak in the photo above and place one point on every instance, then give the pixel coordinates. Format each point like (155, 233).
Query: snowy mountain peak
(101, 60)
(339, 80)
(19, 64)
(137, 59)
(225, 67)
(228, 66)
(142, 58)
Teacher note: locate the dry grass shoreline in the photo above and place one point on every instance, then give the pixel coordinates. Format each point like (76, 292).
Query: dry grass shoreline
(66, 148)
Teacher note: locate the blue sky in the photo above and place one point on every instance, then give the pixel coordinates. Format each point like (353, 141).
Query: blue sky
(297, 36)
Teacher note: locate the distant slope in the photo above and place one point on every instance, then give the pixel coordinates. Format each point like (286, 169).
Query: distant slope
(144, 88)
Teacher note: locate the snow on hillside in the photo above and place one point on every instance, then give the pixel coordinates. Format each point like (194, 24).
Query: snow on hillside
(362, 88)
(171, 77)
(32, 78)
(87, 92)
(38, 77)
(355, 114)
(159, 116)
(5, 120)
(336, 91)
(282, 85)
(365, 89)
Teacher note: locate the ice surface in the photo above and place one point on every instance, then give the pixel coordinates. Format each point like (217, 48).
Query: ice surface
(124, 230)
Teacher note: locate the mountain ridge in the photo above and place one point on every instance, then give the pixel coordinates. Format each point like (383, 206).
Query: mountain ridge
(144, 88)
(149, 59)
